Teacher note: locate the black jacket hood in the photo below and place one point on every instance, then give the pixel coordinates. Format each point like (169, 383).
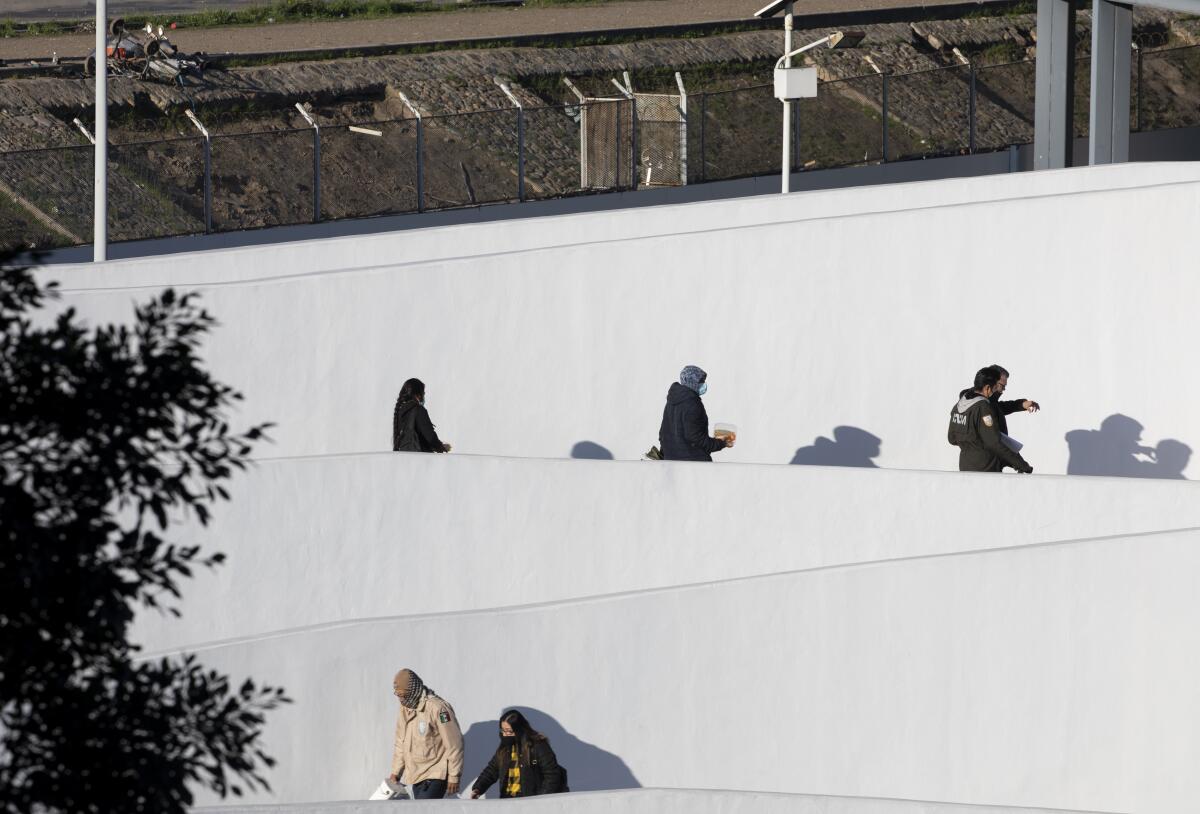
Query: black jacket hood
(678, 394)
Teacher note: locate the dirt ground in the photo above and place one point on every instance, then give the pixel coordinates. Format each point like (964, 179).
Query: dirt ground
(447, 25)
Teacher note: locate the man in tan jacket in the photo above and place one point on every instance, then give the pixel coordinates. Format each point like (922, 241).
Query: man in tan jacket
(428, 751)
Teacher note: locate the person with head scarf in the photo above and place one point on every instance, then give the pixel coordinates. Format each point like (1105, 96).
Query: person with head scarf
(683, 435)
(427, 753)
(524, 763)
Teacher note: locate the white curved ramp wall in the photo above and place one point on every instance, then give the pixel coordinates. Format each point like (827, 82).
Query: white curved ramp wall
(666, 801)
(1059, 676)
(338, 538)
(866, 308)
(892, 634)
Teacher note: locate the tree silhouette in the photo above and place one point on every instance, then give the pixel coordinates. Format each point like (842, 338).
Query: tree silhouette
(106, 436)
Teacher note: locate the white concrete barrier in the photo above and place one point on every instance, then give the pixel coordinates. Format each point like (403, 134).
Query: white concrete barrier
(340, 538)
(658, 801)
(904, 635)
(1058, 676)
(865, 308)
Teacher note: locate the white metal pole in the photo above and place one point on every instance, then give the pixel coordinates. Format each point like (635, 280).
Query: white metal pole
(786, 161)
(100, 198)
(683, 129)
(583, 142)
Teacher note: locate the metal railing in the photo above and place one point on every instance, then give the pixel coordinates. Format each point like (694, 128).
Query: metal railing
(421, 162)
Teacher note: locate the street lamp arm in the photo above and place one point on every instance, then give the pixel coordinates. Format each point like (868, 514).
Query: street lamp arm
(808, 47)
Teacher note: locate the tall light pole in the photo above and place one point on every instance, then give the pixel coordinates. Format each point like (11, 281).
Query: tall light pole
(787, 103)
(795, 84)
(100, 199)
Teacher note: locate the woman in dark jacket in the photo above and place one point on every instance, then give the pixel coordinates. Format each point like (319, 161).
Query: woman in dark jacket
(524, 764)
(412, 431)
(683, 435)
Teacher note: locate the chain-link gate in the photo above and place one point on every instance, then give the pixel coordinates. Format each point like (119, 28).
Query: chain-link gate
(606, 133)
(662, 139)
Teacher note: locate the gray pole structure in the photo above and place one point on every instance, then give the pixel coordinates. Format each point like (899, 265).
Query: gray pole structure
(1054, 102)
(1112, 37)
(100, 179)
(786, 169)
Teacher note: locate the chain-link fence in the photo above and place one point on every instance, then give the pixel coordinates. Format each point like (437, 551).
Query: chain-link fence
(1167, 88)
(192, 185)
(262, 179)
(47, 196)
(553, 150)
(843, 125)
(156, 189)
(363, 174)
(609, 144)
(662, 147)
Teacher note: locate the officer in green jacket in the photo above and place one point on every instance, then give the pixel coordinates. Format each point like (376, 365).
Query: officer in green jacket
(975, 429)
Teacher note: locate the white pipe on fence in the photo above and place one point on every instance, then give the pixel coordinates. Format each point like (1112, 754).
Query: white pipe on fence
(100, 190)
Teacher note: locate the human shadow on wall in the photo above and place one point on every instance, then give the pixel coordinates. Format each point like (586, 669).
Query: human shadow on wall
(590, 450)
(1116, 449)
(850, 446)
(589, 768)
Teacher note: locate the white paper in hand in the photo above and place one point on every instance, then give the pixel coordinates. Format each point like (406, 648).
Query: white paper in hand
(388, 791)
(1011, 443)
(465, 792)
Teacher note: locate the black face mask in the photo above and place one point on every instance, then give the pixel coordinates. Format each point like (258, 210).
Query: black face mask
(508, 740)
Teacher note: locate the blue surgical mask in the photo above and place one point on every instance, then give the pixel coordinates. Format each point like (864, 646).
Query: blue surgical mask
(703, 388)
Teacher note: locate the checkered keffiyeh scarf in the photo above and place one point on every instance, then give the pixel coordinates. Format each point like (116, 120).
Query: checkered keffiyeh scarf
(415, 692)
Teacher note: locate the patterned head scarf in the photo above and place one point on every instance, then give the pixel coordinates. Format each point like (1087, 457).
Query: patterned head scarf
(409, 687)
(692, 377)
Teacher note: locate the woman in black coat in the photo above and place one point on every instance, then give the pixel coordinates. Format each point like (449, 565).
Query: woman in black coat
(412, 431)
(683, 435)
(524, 763)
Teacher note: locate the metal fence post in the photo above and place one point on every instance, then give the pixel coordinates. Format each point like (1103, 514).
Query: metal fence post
(583, 140)
(635, 136)
(885, 118)
(207, 171)
(973, 108)
(420, 150)
(520, 137)
(617, 157)
(1138, 119)
(316, 162)
(633, 140)
(627, 92)
(520, 154)
(420, 165)
(797, 164)
(683, 129)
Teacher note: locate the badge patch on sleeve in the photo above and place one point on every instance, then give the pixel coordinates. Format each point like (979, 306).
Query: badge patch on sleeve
(987, 419)
(444, 717)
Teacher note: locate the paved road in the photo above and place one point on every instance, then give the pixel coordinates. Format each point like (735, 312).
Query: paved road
(449, 25)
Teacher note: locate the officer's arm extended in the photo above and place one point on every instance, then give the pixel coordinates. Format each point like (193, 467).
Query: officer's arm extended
(990, 437)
